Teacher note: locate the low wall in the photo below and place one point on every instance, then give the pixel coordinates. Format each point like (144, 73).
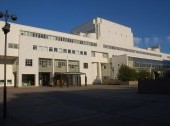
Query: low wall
(154, 86)
(118, 82)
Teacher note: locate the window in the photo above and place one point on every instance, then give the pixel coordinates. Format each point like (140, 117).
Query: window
(40, 48)
(77, 51)
(69, 51)
(39, 35)
(64, 50)
(50, 49)
(129, 50)
(49, 37)
(93, 54)
(73, 66)
(1, 82)
(63, 63)
(53, 38)
(55, 49)
(60, 50)
(15, 46)
(81, 42)
(57, 38)
(9, 81)
(85, 53)
(104, 67)
(81, 52)
(28, 79)
(45, 62)
(60, 63)
(28, 62)
(73, 52)
(10, 45)
(46, 48)
(85, 65)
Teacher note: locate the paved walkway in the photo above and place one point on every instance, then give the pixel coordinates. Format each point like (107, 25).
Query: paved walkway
(85, 106)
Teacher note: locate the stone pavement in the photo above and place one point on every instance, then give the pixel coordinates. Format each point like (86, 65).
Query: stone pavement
(96, 105)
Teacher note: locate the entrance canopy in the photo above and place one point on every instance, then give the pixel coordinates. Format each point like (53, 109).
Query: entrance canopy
(69, 78)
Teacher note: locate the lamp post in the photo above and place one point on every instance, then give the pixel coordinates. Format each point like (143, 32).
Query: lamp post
(5, 29)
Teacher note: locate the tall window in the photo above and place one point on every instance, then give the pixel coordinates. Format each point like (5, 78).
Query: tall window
(55, 49)
(93, 54)
(73, 52)
(85, 53)
(50, 49)
(28, 62)
(77, 51)
(81, 52)
(69, 51)
(60, 50)
(46, 48)
(34, 47)
(85, 65)
(64, 50)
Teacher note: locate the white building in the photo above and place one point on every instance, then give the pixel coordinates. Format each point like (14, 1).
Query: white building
(95, 49)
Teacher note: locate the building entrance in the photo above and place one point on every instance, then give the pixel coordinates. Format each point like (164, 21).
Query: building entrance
(68, 79)
(44, 79)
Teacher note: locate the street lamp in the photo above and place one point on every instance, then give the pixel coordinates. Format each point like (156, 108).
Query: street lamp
(6, 29)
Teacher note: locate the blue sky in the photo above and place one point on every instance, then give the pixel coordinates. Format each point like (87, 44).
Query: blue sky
(149, 19)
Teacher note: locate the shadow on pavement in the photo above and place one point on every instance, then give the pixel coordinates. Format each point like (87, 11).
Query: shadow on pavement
(85, 106)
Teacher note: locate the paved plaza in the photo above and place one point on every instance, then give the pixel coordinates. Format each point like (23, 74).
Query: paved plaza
(98, 105)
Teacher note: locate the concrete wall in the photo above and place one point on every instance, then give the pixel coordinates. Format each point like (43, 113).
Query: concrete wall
(9, 76)
(117, 61)
(27, 52)
(115, 34)
(12, 37)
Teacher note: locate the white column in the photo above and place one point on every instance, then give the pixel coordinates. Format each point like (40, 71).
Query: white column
(52, 74)
(67, 69)
(20, 80)
(99, 71)
(36, 79)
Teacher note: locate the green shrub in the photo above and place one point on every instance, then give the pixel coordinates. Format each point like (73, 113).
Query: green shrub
(127, 74)
(144, 74)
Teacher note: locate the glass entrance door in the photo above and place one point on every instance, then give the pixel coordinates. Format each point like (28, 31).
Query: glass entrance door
(44, 79)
